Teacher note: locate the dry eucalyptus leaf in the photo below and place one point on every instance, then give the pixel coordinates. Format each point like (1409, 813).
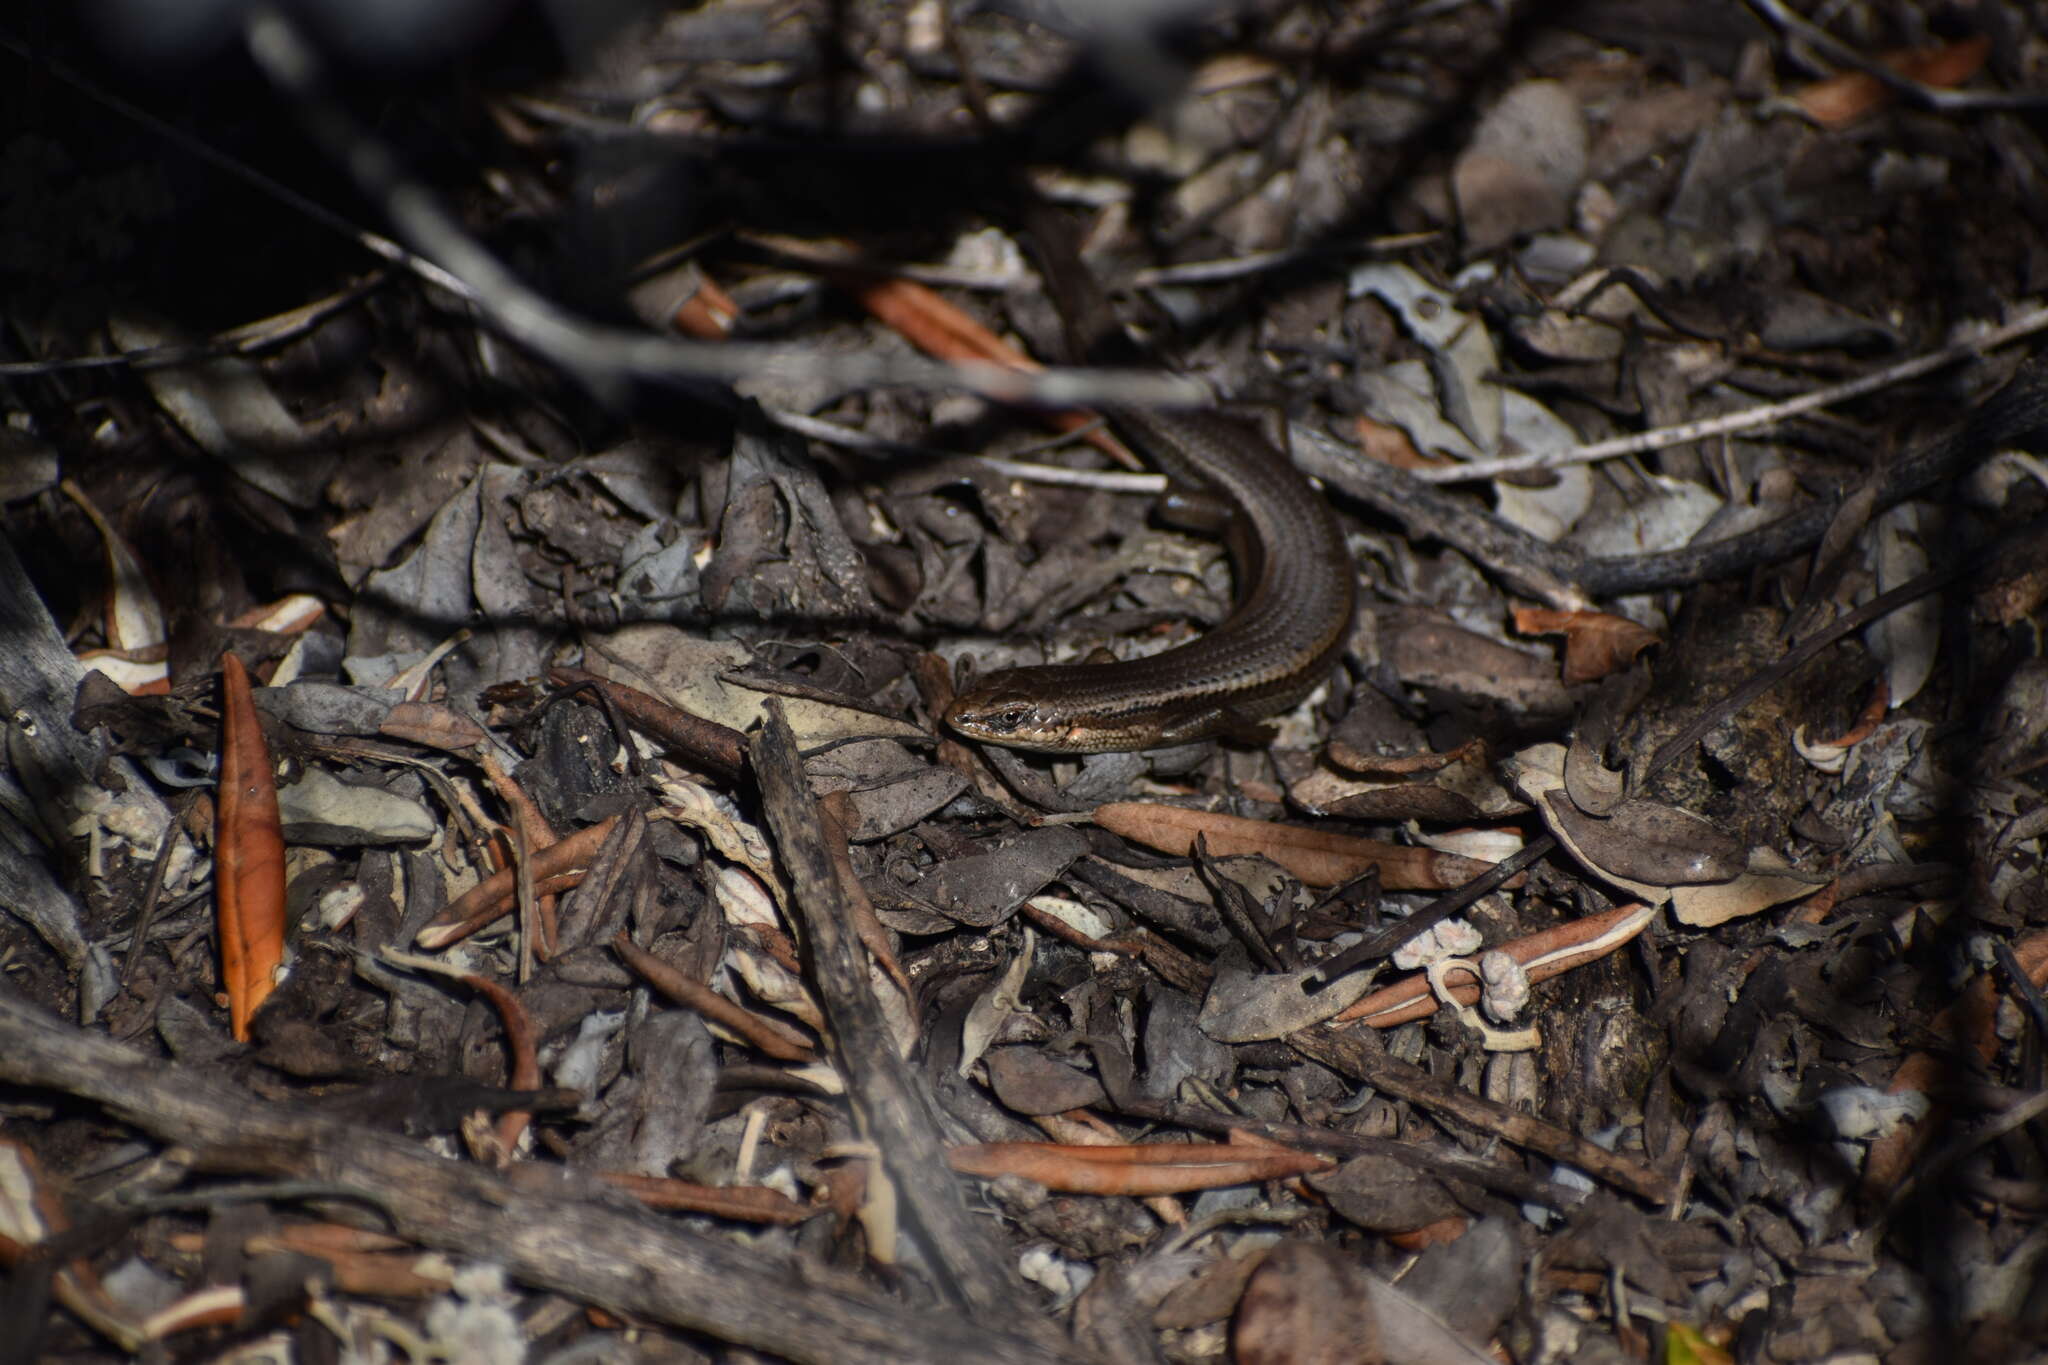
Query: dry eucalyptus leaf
(1385, 1194)
(228, 409)
(1317, 857)
(1462, 787)
(1250, 1007)
(1030, 1082)
(686, 671)
(1769, 881)
(890, 787)
(994, 1006)
(1905, 639)
(983, 889)
(1648, 841)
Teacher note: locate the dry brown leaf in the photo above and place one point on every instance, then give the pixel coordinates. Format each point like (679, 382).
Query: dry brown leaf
(1970, 1024)
(433, 725)
(1596, 643)
(1315, 857)
(248, 855)
(1442, 1231)
(1389, 444)
(1159, 1168)
(934, 325)
(291, 615)
(1305, 1306)
(1848, 96)
(708, 313)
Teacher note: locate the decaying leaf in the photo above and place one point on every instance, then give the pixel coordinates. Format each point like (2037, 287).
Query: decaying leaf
(993, 1007)
(1665, 840)
(1304, 1306)
(1847, 96)
(1245, 1006)
(1596, 643)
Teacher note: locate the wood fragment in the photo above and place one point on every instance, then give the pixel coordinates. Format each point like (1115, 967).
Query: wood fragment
(552, 1228)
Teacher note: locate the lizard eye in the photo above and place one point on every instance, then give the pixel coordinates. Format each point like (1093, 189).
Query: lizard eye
(1009, 719)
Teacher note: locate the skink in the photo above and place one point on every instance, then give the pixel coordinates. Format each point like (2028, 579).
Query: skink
(1295, 584)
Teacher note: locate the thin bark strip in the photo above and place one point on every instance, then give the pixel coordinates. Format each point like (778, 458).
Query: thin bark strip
(895, 1103)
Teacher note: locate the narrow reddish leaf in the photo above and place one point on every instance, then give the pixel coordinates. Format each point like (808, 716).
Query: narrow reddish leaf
(433, 725)
(709, 746)
(708, 313)
(742, 1203)
(248, 854)
(519, 1041)
(290, 615)
(929, 321)
(1390, 445)
(557, 868)
(768, 1036)
(1843, 98)
(1969, 1027)
(1156, 1168)
(1317, 857)
(1550, 952)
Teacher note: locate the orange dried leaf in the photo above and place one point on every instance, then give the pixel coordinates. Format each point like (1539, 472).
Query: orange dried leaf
(1307, 1304)
(433, 725)
(1389, 444)
(1596, 643)
(1970, 1025)
(742, 1203)
(1439, 1233)
(1866, 721)
(144, 677)
(1547, 953)
(1842, 99)
(1316, 857)
(708, 314)
(1162, 1168)
(931, 323)
(934, 325)
(248, 854)
(291, 615)
(519, 1040)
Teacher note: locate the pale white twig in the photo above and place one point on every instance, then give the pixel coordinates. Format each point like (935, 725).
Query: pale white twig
(1749, 419)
